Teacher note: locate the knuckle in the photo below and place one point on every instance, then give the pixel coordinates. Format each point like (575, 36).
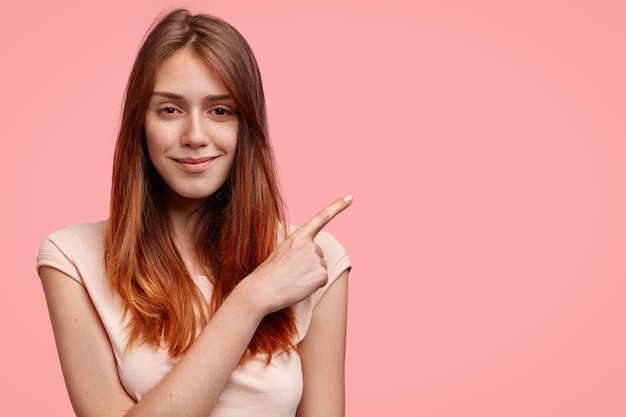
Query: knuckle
(323, 279)
(321, 272)
(309, 246)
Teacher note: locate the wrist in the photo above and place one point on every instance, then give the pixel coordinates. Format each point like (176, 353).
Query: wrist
(248, 296)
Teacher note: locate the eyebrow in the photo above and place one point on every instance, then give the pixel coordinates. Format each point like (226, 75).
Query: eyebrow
(211, 97)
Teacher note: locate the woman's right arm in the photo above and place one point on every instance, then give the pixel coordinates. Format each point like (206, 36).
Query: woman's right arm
(291, 273)
(84, 349)
(191, 388)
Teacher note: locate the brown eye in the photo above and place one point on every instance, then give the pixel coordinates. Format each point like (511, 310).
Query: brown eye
(168, 110)
(220, 111)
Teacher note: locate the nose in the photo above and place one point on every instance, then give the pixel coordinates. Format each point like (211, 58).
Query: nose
(196, 134)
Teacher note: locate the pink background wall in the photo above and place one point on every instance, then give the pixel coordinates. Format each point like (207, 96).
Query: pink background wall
(485, 145)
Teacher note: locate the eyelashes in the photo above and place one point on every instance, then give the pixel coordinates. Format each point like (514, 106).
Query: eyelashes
(168, 110)
(217, 112)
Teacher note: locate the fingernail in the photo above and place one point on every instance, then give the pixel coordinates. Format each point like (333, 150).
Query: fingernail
(347, 198)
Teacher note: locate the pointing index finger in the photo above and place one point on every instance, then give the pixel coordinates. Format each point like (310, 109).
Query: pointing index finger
(321, 219)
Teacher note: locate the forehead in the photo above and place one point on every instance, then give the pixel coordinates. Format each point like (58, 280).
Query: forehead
(185, 71)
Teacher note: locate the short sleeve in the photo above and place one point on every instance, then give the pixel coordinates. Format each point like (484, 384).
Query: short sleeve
(56, 252)
(337, 261)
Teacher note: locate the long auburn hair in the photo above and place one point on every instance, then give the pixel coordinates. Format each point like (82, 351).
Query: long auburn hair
(239, 225)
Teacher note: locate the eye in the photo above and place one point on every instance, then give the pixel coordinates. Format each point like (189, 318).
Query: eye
(168, 110)
(220, 111)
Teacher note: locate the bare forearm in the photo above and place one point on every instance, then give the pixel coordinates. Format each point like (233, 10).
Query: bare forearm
(293, 272)
(195, 383)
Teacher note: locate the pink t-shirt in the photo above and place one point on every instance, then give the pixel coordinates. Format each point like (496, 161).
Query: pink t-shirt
(254, 389)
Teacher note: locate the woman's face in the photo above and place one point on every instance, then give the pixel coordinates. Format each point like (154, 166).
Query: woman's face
(191, 127)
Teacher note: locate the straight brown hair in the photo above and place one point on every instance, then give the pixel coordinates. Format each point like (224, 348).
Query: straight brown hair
(240, 224)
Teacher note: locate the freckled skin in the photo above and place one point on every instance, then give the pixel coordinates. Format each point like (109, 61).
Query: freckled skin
(191, 128)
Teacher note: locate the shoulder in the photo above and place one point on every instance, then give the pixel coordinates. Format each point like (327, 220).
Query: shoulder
(335, 254)
(337, 261)
(67, 248)
(330, 244)
(75, 236)
(324, 239)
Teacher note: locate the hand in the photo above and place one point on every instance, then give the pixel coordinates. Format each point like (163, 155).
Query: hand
(297, 267)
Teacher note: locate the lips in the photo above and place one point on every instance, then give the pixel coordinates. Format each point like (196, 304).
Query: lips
(195, 164)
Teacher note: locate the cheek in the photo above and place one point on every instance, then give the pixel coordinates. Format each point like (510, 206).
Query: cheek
(231, 151)
(233, 138)
(232, 148)
(151, 145)
(158, 135)
(155, 144)
(225, 137)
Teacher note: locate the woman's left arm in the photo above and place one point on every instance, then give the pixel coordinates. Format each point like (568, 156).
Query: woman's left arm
(323, 352)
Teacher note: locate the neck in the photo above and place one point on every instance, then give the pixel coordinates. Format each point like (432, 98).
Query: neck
(183, 215)
(183, 227)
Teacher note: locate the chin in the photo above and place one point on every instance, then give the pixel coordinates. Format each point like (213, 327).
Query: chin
(195, 195)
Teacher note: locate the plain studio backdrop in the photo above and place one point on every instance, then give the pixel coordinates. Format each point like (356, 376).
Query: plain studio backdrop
(484, 143)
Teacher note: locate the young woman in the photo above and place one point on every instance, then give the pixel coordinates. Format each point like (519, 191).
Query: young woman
(196, 297)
